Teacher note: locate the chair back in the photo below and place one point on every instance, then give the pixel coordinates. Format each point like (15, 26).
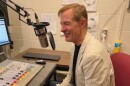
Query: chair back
(121, 65)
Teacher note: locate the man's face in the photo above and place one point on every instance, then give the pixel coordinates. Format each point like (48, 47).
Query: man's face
(70, 27)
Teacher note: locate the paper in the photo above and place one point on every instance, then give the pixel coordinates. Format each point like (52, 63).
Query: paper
(69, 1)
(90, 5)
(51, 18)
(93, 22)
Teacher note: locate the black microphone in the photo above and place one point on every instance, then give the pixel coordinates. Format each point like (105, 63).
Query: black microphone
(40, 31)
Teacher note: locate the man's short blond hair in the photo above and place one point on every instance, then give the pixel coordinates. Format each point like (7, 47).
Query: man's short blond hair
(79, 11)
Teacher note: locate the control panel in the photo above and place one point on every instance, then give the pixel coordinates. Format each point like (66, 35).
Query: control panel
(16, 73)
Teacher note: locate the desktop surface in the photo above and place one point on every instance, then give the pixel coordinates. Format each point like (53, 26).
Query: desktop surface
(63, 63)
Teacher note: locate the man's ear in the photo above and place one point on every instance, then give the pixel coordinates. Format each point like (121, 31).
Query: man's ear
(83, 23)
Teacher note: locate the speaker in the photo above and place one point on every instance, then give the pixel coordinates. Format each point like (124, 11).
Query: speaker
(4, 12)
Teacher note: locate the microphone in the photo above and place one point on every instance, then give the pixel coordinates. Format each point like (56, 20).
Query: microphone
(42, 38)
(40, 31)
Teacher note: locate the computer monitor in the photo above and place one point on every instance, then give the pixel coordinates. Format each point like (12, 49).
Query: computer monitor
(4, 35)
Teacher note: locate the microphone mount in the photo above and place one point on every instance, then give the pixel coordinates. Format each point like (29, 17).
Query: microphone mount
(39, 27)
(26, 15)
(18, 9)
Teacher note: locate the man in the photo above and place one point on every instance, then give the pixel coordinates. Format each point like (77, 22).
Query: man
(91, 64)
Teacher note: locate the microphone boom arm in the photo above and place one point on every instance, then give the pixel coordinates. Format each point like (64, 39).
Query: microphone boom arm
(18, 9)
(39, 27)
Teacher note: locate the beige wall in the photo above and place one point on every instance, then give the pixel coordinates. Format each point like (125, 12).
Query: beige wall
(24, 36)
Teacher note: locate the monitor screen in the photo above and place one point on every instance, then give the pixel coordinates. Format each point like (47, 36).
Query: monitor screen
(4, 36)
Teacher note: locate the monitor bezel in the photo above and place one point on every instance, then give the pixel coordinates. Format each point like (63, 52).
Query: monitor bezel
(6, 31)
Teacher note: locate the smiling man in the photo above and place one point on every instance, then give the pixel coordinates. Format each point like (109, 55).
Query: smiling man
(90, 64)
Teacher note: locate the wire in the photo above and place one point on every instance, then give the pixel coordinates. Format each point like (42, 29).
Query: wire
(123, 18)
(112, 15)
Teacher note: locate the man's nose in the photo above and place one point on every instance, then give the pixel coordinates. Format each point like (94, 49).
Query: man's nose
(62, 28)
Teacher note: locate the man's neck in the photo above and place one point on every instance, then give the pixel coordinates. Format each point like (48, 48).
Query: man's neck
(80, 40)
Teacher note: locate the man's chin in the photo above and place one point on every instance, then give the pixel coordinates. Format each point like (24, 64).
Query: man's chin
(68, 40)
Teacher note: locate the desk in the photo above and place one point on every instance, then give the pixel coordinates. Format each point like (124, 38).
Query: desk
(63, 63)
(44, 75)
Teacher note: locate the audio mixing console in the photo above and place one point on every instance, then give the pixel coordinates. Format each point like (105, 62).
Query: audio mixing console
(16, 73)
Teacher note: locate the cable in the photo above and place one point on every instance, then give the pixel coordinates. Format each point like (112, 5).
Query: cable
(112, 15)
(120, 27)
(123, 17)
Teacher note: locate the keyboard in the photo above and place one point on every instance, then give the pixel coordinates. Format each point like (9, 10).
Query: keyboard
(41, 56)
